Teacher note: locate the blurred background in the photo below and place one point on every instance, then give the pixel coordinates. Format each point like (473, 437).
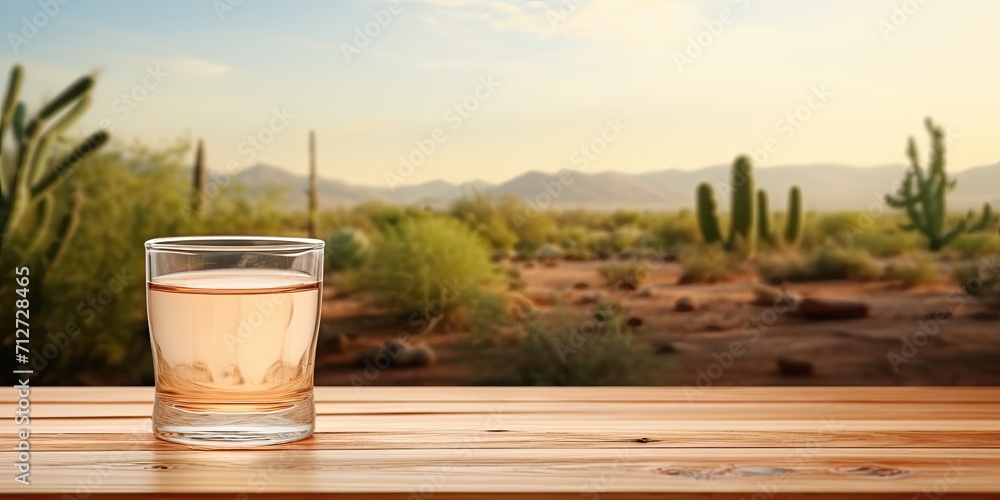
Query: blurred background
(565, 192)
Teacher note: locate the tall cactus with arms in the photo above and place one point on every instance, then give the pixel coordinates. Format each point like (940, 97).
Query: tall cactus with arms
(922, 195)
(31, 181)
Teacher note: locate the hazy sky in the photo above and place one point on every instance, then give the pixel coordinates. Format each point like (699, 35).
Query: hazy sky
(560, 71)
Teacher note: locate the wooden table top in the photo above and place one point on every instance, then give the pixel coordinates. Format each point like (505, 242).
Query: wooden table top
(418, 443)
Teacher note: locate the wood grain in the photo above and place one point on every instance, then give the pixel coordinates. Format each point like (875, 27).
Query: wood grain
(589, 442)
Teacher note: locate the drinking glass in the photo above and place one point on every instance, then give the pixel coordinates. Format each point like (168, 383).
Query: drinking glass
(233, 323)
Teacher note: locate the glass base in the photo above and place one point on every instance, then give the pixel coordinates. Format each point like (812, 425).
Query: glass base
(234, 430)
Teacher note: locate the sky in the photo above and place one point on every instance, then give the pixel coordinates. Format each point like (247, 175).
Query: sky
(417, 90)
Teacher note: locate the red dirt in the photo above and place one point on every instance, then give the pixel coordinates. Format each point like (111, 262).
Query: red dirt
(962, 350)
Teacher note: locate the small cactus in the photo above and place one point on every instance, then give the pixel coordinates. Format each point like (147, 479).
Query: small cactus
(708, 221)
(346, 249)
(198, 179)
(742, 230)
(793, 220)
(763, 218)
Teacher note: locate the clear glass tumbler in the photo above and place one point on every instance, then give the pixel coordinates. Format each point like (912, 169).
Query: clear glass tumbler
(233, 323)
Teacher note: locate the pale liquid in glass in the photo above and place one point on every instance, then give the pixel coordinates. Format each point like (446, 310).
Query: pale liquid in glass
(234, 340)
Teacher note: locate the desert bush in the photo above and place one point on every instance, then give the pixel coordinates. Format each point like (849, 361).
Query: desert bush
(561, 349)
(625, 237)
(621, 218)
(622, 275)
(829, 262)
(385, 216)
(346, 249)
(973, 245)
(912, 269)
(887, 242)
(981, 280)
(428, 266)
(481, 213)
(707, 263)
(678, 230)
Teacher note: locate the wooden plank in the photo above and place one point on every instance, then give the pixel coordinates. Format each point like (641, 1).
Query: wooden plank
(596, 438)
(514, 495)
(459, 442)
(958, 395)
(667, 411)
(580, 471)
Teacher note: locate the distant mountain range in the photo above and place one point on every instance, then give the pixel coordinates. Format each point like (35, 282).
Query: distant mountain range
(825, 187)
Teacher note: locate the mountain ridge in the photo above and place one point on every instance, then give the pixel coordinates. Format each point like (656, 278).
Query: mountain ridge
(826, 186)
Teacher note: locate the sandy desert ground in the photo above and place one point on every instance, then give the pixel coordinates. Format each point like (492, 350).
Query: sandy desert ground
(926, 335)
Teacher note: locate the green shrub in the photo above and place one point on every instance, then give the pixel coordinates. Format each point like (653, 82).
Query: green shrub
(916, 268)
(481, 213)
(678, 230)
(346, 249)
(386, 216)
(708, 263)
(559, 349)
(972, 245)
(429, 266)
(829, 262)
(625, 237)
(890, 243)
(622, 275)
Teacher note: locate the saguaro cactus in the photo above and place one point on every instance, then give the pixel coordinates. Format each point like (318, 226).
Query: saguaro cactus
(198, 179)
(793, 219)
(313, 195)
(33, 177)
(741, 229)
(742, 235)
(763, 218)
(923, 192)
(708, 221)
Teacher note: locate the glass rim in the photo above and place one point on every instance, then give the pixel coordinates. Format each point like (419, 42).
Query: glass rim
(234, 244)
